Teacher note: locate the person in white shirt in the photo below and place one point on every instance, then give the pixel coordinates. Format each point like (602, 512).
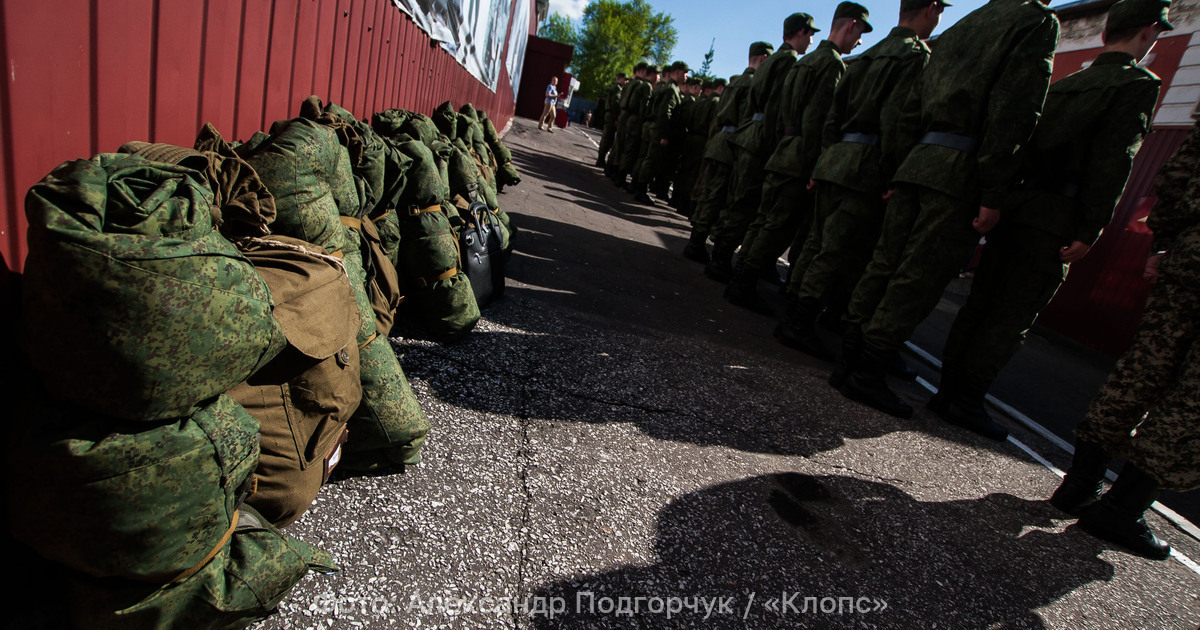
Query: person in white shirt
(546, 122)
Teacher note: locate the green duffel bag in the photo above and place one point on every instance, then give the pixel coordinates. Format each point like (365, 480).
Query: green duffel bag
(506, 173)
(299, 162)
(446, 120)
(389, 426)
(302, 399)
(243, 582)
(390, 123)
(133, 500)
(134, 306)
(428, 257)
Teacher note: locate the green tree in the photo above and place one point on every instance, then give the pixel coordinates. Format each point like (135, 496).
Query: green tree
(706, 68)
(614, 36)
(559, 28)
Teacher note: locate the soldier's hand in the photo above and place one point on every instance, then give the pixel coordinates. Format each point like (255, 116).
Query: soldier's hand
(1151, 272)
(987, 219)
(812, 183)
(888, 195)
(1073, 252)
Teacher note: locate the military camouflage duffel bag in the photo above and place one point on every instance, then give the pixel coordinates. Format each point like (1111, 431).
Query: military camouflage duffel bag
(134, 306)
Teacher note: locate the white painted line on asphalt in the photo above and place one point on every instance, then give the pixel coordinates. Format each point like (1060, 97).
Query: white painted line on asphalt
(1172, 516)
(589, 138)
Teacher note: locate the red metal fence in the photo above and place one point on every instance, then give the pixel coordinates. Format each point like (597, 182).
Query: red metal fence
(85, 76)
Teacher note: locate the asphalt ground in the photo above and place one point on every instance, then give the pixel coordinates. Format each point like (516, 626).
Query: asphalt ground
(615, 446)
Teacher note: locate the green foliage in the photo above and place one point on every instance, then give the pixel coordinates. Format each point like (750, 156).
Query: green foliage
(705, 72)
(559, 28)
(614, 36)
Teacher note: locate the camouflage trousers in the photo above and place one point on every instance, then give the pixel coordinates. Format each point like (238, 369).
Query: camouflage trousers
(1146, 413)
(631, 143)
(925, 235)
(606, 140)
(1018, 274)
(648, 138)
(846, 227)
(660, 160)
(741, 207)
(690, 160)
(714, 196)
(785, 210)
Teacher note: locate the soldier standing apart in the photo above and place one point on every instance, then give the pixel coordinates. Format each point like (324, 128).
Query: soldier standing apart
(631, 118)
(734, 111)
(974, 106)
(1146, 412)
(659, 137)
(549, 111)
(612, 112)
(1073, 171)
(787, 198)
(755, 140)
(853, 172)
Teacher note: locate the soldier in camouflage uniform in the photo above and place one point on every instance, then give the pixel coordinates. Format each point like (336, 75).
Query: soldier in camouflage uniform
(660, 139)
(1146, 413)
(699, 130)
(719, 153)
(755, 140)
(975, 104)
(634, 98)
(612, 112)
(1075, 167)
(786, 195)
(853, 172)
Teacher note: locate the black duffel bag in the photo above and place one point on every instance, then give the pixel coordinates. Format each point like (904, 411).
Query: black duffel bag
(483, 253)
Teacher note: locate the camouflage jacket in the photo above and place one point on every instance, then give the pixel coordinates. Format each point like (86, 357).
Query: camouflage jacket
(805, 99)
(984, 85)
(612, 108)
(1176, 217)
(757, 136)
(1078, 160)
(634, 98)
(734, 108)
(682, 117)
(703, 114)
(663, 106)
(868, 101)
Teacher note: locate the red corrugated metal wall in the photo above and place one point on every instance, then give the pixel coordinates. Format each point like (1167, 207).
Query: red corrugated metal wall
(85, 76)
(1101, 303)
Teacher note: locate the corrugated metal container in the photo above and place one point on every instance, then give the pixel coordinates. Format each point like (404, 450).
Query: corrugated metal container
(1102, 300)
(85, 76)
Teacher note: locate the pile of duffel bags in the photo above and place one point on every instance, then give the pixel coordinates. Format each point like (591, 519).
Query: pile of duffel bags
(207, 329)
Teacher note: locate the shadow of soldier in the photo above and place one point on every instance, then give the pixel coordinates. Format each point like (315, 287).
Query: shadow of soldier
(906, 563)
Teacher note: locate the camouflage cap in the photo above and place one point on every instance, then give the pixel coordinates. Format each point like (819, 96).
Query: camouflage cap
(917, 5)
(641, 65)
(1128, 14)
(719, 83)
(654, 68)
(761, 48)
(797, 21)
(622, 75)
(679, 65)
(853, 11)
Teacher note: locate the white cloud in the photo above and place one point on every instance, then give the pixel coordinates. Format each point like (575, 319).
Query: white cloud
(570, 8)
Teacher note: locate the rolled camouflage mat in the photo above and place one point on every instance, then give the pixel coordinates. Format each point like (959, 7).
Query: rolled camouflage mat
(134, 306)
(243, 582)
(303, 398)
(134, 500)
(297, 163)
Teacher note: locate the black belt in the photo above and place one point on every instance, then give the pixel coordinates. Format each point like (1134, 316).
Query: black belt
(792, 131)
(862, 138)
(950, 141)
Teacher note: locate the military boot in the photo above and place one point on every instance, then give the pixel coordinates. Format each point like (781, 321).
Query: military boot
(963, 406)
(640, 195)
(771, 275)
(696, 248)
(851, 350)
(720, 267)
(938, 402)
(1119, 516)
(1081, 487)
(743, 289)
(600, 163)
(662, 190)
(799, 329)
(900, 368)
(867, 383)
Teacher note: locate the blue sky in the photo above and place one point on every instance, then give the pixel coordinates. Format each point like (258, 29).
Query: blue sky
(735, 25)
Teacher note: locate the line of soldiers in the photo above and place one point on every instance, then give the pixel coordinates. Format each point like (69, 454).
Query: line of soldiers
(664, 117)
(878, 177)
